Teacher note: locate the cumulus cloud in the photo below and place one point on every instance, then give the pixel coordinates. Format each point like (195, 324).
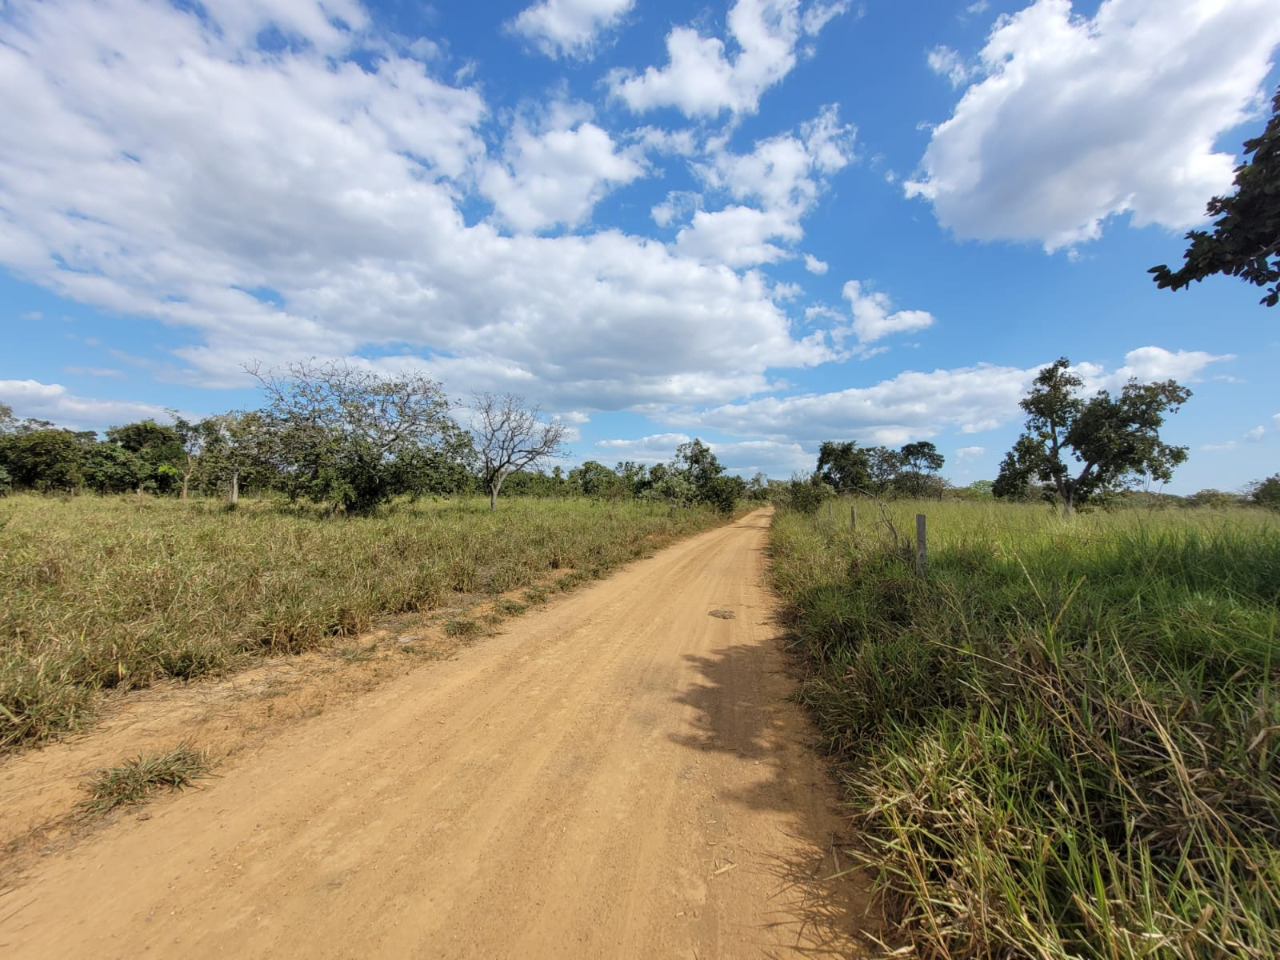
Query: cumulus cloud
(970, 453)
(1256, 434)
(814, 265)
(874, 317)
(55, 403)
(782, 177)
(286, 202)
(704, 76)
(1076, 120)
(569, 27)
(1156, 363)
(557, 175)
(738, 236)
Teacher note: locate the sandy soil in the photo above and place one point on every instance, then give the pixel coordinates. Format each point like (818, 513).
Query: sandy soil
(618, 774)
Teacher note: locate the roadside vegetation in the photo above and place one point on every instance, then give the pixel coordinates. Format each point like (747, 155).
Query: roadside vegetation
(1062, 741)
(117, 592)
(138, 780)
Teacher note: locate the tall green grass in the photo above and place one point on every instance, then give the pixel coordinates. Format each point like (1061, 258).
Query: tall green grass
(1063, 740)
(100, 593)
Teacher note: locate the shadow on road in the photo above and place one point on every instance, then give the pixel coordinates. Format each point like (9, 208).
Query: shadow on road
(742, 710)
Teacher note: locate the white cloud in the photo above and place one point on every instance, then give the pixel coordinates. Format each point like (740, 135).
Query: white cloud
(701, 79)
(820, 14)
(284, 203)
(1256, 434)
(784, 175)
(874, 317)
(946, 62)
(558, 175)
(679, 205)
(914, 405)
(814, 265)
(970, 453)
(569, 27)
(980, 6)
(656, 448)
(737, 236)
(1077, 120)
(910, 405)
(1155, 363)
(54, 402)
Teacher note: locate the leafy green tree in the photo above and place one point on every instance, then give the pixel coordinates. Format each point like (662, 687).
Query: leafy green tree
(635, 475)
(1266, 493)
(920, 461)
(446, 468)
(110, 468)
(43, 460)
(1245, 241)
(1110, 441)
(724, 492)
(595, 480)
(335, 430)
(883, 466)
(159, 450)
(844, 467)
(697, 464)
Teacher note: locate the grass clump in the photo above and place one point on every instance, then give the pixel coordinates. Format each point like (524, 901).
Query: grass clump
(100, 593)
(139, 779)
(1062, 741)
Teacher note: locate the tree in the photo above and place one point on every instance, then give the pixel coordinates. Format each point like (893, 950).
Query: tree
(883, 466)
(159, 451)
(44, 460)
(1112, 441)
(919, 461)
(110, 468)
(1245, 241)
(1266, 493)
(336, 430)
(510, 436)
(843, 467)
(596, 480)
(697, 464)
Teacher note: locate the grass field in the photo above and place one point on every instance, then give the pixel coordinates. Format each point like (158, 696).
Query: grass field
(118, 592)
(1063, 740)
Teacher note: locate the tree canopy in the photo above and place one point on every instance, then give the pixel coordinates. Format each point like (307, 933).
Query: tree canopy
(336, 431)
(1109, 441)
(1245, 241)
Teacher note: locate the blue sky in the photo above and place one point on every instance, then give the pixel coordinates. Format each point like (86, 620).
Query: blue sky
(766, 223)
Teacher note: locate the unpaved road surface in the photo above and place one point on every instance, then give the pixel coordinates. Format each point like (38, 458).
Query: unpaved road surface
(617, 775)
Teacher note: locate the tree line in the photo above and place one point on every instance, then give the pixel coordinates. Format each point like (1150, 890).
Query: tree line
(351, 438)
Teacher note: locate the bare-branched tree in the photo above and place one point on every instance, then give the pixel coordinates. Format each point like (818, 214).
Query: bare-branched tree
(510, 436)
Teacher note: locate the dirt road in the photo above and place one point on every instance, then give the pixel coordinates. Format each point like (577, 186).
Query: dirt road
(617, 775)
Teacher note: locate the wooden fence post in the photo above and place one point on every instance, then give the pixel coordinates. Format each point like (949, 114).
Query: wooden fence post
(922, 545)
(853, 515)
